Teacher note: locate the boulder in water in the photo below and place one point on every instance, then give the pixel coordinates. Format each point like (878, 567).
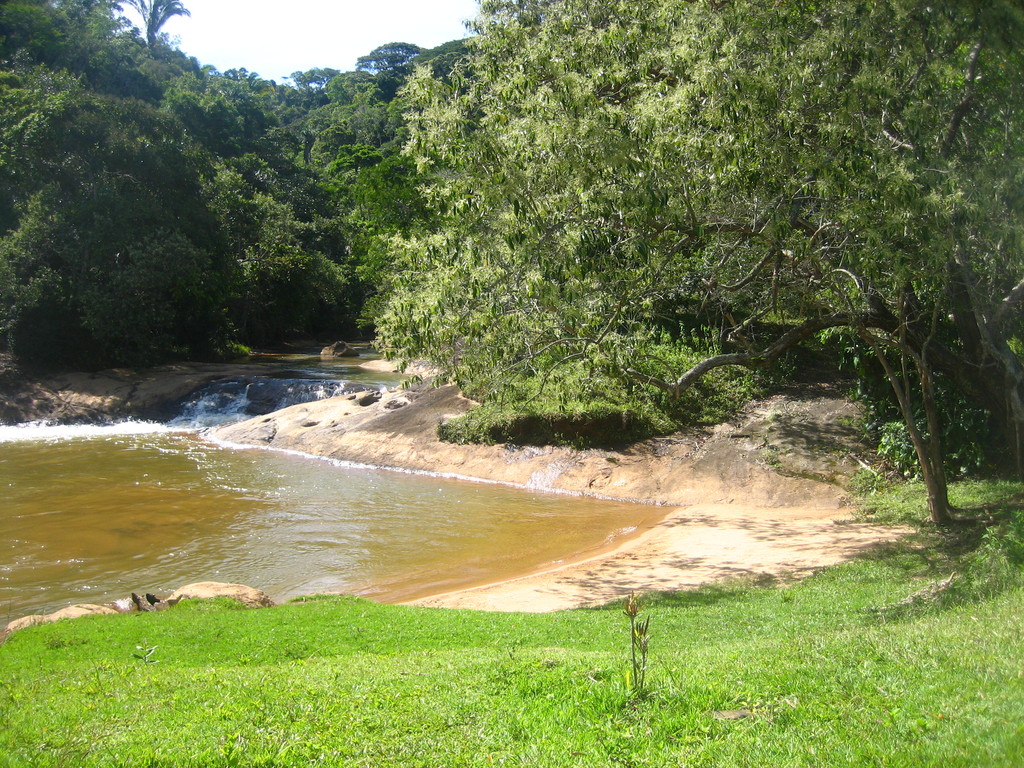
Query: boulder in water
(339, 349)
(204, 590)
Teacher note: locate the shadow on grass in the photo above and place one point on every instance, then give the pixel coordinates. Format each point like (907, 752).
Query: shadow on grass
(929, 553)
(977, 558)
(733, 589)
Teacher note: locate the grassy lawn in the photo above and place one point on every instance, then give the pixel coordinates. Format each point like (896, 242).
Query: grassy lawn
(828, 671)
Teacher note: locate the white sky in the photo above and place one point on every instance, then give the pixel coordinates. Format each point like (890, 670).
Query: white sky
(277, 37)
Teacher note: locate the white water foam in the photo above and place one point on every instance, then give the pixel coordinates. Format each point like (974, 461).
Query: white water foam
(37, 431)
(226, 402)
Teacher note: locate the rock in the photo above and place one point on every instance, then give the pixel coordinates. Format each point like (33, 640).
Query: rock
(140, 604)
(204, 590)
(265, 433)
(76, 611)
(339, 349)
(71, 612)
(367, 398)
(150, 603)
(24, 621)
(265, 395)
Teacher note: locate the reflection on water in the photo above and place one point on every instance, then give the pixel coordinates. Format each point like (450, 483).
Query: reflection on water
(91, 514)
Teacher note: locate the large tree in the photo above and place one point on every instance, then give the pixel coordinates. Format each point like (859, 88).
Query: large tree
(613, 168)
(155, 14)
(393, 57)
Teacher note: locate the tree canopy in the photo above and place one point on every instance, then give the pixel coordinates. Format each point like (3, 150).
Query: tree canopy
(615, 176)
(393, 57)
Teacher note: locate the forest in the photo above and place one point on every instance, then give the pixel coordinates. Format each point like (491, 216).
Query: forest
(597, 212)
(152, 208)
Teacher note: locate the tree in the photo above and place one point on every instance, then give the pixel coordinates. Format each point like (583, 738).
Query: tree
(615, 172)
(230, 113)
(30, 26)
(390, 65)
(155, 14)
(314, 80)
(283, 276)
(390, 58)
(443, 59)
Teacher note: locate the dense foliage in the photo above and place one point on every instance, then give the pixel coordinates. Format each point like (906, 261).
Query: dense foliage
(152, 208)
(620, 181)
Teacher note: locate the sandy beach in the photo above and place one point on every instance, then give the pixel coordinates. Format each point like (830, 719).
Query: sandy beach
(692, 547)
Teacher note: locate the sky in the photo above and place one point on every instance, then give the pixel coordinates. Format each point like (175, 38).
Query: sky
(275, 38)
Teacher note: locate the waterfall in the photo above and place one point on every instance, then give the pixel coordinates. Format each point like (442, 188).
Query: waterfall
(238, 399)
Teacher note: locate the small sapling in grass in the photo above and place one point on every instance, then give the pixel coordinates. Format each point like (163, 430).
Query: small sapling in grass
(145, 655)
(639, 640)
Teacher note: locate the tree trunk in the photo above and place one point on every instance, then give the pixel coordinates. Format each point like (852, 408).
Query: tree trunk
(928, 449)
(934, 467)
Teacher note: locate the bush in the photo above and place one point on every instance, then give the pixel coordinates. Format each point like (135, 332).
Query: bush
(590, 404)
(599, 425)
(998, 563)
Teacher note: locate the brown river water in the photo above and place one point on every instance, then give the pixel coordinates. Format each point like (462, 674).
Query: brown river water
(93, 514)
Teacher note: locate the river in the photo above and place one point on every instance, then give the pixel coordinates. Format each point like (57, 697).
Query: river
(91, 514)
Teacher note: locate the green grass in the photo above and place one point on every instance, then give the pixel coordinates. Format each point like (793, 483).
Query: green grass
(828, 673)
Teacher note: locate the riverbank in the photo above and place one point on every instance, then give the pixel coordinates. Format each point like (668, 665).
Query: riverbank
(761, 495)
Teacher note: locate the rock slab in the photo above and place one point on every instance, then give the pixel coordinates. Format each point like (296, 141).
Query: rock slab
(71, 612)
(204, 590)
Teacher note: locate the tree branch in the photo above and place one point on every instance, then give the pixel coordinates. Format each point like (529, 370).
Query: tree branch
(750, 359)
(745, 281)
(889, 130)
(965, 104)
